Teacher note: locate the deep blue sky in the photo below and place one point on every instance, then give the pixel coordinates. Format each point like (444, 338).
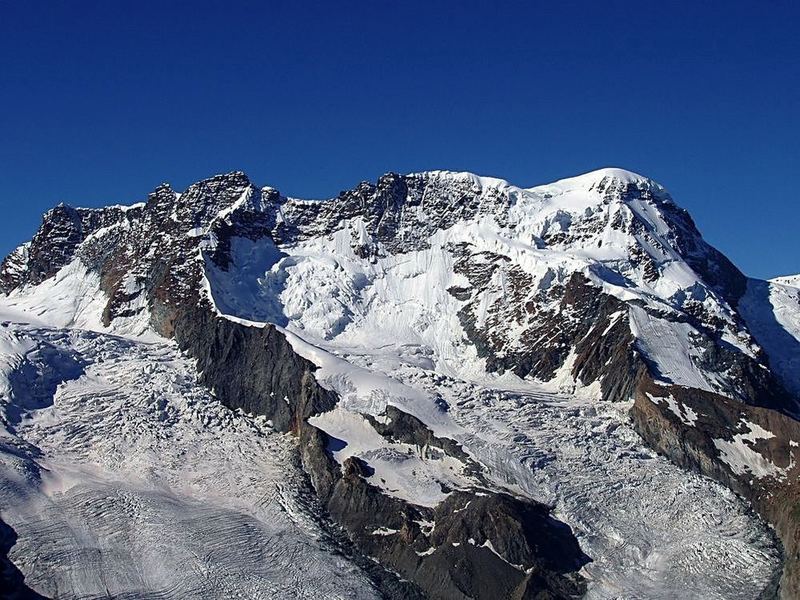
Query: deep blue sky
(101, 101)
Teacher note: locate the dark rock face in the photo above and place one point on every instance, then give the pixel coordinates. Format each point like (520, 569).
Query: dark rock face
(576, 318)
(475, 544)
(399, 211)
(252, 368)
(53, 247)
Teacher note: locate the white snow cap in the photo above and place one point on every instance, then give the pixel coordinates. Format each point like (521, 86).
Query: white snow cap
(587, 180)
(584, 181)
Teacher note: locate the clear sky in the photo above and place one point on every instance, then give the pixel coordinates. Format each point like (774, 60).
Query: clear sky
(101, 101)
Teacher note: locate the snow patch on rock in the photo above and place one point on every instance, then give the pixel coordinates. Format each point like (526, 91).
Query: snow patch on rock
(742, 457)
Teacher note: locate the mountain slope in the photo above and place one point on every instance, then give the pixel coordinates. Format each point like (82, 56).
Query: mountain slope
(385, 326)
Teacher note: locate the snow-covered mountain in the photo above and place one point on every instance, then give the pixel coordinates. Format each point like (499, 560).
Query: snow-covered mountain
(464, 366)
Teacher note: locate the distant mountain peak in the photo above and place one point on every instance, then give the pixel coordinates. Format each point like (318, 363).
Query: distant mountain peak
(615, 173)
(603, 179)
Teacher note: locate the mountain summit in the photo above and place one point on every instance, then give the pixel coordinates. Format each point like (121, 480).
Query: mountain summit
(463, 364)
